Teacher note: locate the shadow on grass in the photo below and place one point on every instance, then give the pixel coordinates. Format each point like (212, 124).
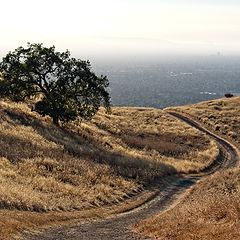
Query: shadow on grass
(78, 146)
(16, 148)
(167, 144)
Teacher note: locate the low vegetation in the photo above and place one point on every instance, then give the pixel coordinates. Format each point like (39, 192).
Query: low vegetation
(156, 136)
(61, 171)
(223, 116)
(212, 209)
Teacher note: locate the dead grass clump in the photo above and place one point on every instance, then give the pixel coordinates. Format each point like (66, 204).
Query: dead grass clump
(47, 168)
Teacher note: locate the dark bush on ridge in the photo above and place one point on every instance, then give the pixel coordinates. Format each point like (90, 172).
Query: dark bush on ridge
(228, 95)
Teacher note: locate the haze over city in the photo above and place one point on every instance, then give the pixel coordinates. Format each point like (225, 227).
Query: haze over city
(128, 27)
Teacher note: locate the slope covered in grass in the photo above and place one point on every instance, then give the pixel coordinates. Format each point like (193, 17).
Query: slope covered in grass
(44, 168)
(212, 209)
(156, 136)
(222, 115)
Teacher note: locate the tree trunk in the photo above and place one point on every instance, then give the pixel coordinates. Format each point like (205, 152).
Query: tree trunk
(55, 120)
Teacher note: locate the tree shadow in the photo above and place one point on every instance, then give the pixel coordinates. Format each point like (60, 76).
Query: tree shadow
(16, 148)
(129, 167)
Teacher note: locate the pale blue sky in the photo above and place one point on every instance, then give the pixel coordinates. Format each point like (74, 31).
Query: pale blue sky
(94, 27)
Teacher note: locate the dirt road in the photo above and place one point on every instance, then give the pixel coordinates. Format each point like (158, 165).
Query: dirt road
(119, 227)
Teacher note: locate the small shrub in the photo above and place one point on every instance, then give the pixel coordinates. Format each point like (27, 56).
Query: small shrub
(228, 95)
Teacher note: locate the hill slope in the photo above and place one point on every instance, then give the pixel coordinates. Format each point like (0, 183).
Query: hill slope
(50, 175)
(212, 210)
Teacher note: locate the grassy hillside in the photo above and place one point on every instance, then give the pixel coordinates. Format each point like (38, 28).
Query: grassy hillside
(212, 210)
(66, 171)
(223, 116)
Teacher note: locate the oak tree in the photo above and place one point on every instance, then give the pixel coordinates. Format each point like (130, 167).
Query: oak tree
(66, 87)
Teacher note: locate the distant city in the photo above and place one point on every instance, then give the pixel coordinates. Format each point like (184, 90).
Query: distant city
(169, 82)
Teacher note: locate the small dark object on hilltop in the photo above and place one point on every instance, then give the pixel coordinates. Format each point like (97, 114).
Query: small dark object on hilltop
(228, 95)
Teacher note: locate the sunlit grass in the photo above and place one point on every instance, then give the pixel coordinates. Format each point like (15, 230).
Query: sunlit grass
(45, 168)
(223, 115)
(212, 210)
(86, 165)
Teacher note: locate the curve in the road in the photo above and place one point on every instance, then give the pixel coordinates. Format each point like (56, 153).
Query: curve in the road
(119, 227)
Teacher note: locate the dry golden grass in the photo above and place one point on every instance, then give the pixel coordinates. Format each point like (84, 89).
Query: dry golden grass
(91, 164)
(45, 168)
(222, 115)
(211, 211)
(14, 223)
(153, 135)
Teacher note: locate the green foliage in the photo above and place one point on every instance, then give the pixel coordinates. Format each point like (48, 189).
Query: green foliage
(66, 86)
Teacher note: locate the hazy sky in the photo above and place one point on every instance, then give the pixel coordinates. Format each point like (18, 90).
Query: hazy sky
(118, 27)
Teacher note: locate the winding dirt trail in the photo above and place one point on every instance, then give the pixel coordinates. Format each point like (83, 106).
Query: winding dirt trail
(171, 194)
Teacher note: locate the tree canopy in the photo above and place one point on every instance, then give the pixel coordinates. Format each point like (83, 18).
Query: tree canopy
(67, 87)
